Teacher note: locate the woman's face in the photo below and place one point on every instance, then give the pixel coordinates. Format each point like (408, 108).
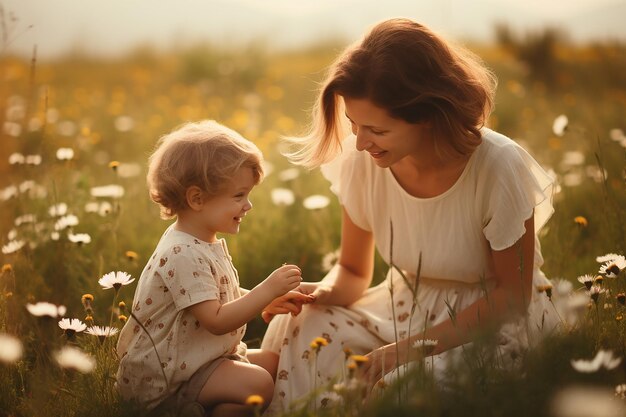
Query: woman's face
(388, 140)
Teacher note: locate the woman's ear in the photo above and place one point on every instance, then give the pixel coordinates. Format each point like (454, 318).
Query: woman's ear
(195, 197)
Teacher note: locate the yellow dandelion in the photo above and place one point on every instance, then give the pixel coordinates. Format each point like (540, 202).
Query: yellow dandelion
(254, 400)
(318, 342)
(122, 306)
(114, 165)
(122, 318)
(89, 319)
(599, 279)
(347, 351)
(7, 268)
(359, 360)
(581, 221)
(131, 255)
(86, 297)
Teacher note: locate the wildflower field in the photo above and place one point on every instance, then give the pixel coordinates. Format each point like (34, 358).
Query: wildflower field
(77, 225)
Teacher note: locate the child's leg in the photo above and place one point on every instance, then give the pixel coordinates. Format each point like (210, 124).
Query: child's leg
(230, 385)
(264, 358)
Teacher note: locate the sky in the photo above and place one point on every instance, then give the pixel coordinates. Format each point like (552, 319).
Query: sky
(117, 26)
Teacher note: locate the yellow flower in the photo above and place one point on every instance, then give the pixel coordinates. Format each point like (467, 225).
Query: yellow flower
(347, 351)
(131, 255)
(122, 306)
(122, 318)
(113, 165)
(89, 319)
(599, 279)
(318, 342)
(254, 400)
(7, 268)
(581, 221)
(86, 297)
(359, 360)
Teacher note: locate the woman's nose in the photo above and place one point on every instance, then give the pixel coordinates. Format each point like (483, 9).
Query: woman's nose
(362, 143)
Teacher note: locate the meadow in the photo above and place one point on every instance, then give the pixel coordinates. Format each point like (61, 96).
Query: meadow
(76, 133)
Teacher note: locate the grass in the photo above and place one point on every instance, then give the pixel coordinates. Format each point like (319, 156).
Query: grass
(114, 110)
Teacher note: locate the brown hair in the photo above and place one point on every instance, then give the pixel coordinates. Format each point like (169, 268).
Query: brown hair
(416, 76)
(205, 154)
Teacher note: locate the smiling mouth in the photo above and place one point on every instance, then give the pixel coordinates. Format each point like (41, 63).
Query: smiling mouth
(377, 154)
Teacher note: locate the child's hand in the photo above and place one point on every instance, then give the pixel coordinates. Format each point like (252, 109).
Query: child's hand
(317, 290)
(282, 280)
(289, 303)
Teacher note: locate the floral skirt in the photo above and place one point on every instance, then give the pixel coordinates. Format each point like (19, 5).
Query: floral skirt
(368, 324)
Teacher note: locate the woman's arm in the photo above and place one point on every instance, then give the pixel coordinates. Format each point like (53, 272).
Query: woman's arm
(513, 270)
(352, 275)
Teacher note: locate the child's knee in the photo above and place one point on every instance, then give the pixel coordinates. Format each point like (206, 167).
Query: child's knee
(262, 384)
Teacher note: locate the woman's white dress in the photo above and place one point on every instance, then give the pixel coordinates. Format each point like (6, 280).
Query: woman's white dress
(486, 208)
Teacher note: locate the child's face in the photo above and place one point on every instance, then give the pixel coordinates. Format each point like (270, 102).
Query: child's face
(224, 212)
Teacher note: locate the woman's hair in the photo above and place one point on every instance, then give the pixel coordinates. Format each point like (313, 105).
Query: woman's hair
(205, 154)
(416, 76)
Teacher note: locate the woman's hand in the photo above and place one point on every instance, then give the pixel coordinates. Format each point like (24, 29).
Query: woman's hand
(380, 362)
(290, 302)
(318, 290)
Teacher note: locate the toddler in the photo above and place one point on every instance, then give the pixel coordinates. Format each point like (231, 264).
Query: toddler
(183, 346)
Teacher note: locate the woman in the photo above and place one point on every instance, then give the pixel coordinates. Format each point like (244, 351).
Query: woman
(423, 181)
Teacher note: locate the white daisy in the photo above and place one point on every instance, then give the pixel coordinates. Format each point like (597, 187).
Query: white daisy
(282, 197)
(613, 267)
(111, 191)
(606, 258)
(10, 348)
(16, 158)
(79, 238)
(8, 193)
(72, 358)
(115, 280)
(13, 246)
(102, 332)
(43, 308)
(72, 326)
(58, 210)
(560, 125)
(65, 154)
(587, 280)
(316, 202)
(33, 160)
(603, 359)
(25, 219)
(65, 222)
(329, 260)
(102, 208)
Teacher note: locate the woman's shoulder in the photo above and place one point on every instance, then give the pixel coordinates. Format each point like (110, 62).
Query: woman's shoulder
(498, 151)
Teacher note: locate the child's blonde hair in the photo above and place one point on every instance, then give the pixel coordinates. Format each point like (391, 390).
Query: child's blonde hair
(205, 154)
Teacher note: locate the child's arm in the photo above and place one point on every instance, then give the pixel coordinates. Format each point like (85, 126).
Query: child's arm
(223, 318)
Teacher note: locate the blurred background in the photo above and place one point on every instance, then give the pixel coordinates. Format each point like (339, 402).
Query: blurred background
(87, 87)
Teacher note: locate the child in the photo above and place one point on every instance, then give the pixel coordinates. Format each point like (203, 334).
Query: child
(184, 344)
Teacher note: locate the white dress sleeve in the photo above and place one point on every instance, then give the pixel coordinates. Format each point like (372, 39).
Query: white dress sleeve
(348, 176)
(517, 185)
